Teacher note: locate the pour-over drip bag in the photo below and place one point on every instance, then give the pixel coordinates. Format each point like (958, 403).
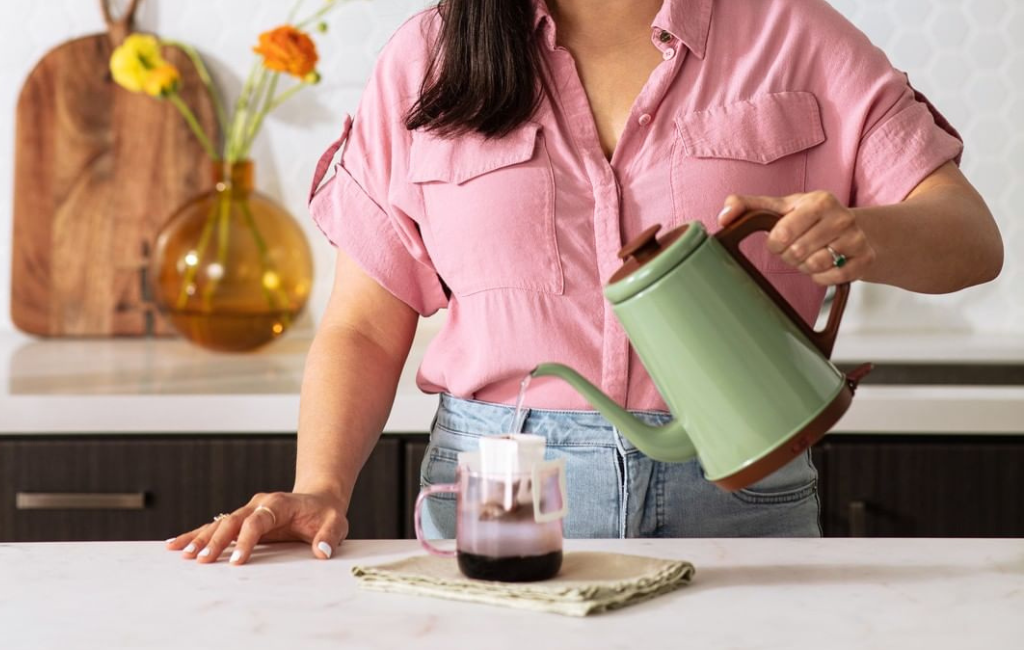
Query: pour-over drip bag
(511, 454)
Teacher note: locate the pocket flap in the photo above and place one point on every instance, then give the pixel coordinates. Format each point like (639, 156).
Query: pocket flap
(460, 158)
(760, 130)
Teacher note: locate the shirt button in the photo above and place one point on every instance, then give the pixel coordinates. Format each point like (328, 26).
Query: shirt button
(668, 54)
(664, 36)
(645, 119)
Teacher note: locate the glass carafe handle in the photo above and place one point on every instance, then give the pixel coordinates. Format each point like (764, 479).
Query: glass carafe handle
(538, 490)
(418, 517)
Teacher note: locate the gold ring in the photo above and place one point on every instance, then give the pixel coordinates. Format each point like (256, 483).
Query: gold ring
(268, 511)
(219, 517)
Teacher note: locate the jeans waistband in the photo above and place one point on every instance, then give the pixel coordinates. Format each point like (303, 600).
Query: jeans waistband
(557, 426)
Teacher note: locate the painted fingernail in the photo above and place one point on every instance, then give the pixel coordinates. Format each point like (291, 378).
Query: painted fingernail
(325, 548)
(236, 556)
(205, 552)
(169, 540)
(191, 548)
(726, 210)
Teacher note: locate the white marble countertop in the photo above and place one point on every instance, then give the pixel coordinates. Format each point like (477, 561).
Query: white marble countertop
(168, 386)
(945, 348)
(764, 594)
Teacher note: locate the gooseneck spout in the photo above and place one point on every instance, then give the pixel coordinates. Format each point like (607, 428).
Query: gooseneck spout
(668, 443)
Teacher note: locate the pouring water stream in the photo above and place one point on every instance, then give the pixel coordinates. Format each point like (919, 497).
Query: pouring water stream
(518, 421)
(519, 416)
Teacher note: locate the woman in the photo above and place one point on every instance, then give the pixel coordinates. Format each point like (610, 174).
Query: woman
(502, 154)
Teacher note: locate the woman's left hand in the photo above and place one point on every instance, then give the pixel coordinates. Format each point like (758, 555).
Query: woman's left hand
(811, 225)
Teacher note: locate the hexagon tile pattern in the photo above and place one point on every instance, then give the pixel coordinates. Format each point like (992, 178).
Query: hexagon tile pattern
(966, 55)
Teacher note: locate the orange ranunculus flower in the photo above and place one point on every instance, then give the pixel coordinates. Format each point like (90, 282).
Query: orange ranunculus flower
(288, 50)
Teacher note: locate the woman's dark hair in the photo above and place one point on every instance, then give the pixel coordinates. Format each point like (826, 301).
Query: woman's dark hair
(484, 71)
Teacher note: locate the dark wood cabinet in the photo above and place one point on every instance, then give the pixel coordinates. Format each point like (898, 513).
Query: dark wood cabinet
(151, 487)
(922, 486)
(414, 453)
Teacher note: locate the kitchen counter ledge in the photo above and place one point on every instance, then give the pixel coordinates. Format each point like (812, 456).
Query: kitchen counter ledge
(170, 387)
(765, 594)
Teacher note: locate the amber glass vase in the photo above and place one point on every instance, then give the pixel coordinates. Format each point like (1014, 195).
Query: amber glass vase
(231, 270)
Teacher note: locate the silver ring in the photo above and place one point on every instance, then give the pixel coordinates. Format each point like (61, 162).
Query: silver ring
(838, 259)
(268, 511)
(219, 517)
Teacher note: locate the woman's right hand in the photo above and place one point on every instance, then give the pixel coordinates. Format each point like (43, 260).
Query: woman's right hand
(317, 519)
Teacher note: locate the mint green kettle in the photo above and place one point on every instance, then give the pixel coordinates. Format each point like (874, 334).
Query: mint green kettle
(748, 381)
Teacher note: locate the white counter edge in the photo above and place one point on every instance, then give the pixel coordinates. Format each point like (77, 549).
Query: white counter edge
(985, 410)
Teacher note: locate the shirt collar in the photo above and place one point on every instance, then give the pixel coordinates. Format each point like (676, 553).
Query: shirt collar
(687, 20)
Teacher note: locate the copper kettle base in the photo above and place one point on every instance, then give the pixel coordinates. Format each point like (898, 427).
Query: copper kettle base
(799, 441)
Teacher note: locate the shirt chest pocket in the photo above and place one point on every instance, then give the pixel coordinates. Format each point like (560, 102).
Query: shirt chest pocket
(758, 146)
(490, 208)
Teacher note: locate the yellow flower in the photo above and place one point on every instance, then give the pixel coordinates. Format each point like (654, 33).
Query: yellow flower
(288, 50)
(138, 66)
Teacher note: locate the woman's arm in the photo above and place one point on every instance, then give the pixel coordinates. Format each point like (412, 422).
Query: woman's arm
(349, 381)
(940, 239)
(348, 388)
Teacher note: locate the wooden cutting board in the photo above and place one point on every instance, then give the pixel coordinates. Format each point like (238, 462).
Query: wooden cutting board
(97, 172)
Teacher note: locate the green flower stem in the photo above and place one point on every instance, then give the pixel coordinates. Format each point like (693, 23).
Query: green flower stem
(250, 81)
(259, 116)
(244, 116)
(190, 271)
(295, 10)
(223, 223)
(328, 6)
(240, 116)
(285, 96)
(253, 107)
(265, 263)
(204, 76)
(273, 105)
(193, 123)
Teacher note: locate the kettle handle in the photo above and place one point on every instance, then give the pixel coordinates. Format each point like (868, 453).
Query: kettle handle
(764, 220)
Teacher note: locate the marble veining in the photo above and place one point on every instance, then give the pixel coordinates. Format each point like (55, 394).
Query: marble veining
(791, 594)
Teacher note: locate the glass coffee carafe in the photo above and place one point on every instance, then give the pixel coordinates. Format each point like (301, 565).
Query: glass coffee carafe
(510, 506)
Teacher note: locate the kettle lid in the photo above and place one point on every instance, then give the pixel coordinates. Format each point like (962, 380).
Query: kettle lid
(646, 258)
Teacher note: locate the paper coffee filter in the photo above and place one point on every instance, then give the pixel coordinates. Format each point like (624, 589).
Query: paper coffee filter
(511, 454)
(470, 460)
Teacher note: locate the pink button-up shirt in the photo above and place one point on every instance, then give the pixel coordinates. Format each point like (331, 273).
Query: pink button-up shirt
(516, 236)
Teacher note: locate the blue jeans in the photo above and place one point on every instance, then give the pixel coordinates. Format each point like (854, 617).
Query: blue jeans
(614, 489)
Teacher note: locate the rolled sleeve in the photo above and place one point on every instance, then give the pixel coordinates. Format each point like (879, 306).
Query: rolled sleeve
(368, 208)
(904, 149)
(889, 136)
(386, 246)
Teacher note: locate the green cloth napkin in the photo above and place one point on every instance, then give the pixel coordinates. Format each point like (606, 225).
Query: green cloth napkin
(588, 583)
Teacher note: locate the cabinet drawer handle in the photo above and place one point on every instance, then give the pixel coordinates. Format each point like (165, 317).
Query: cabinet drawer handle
(80, 500)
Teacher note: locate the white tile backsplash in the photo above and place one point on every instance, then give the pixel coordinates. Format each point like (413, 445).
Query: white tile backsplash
(966, 55)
